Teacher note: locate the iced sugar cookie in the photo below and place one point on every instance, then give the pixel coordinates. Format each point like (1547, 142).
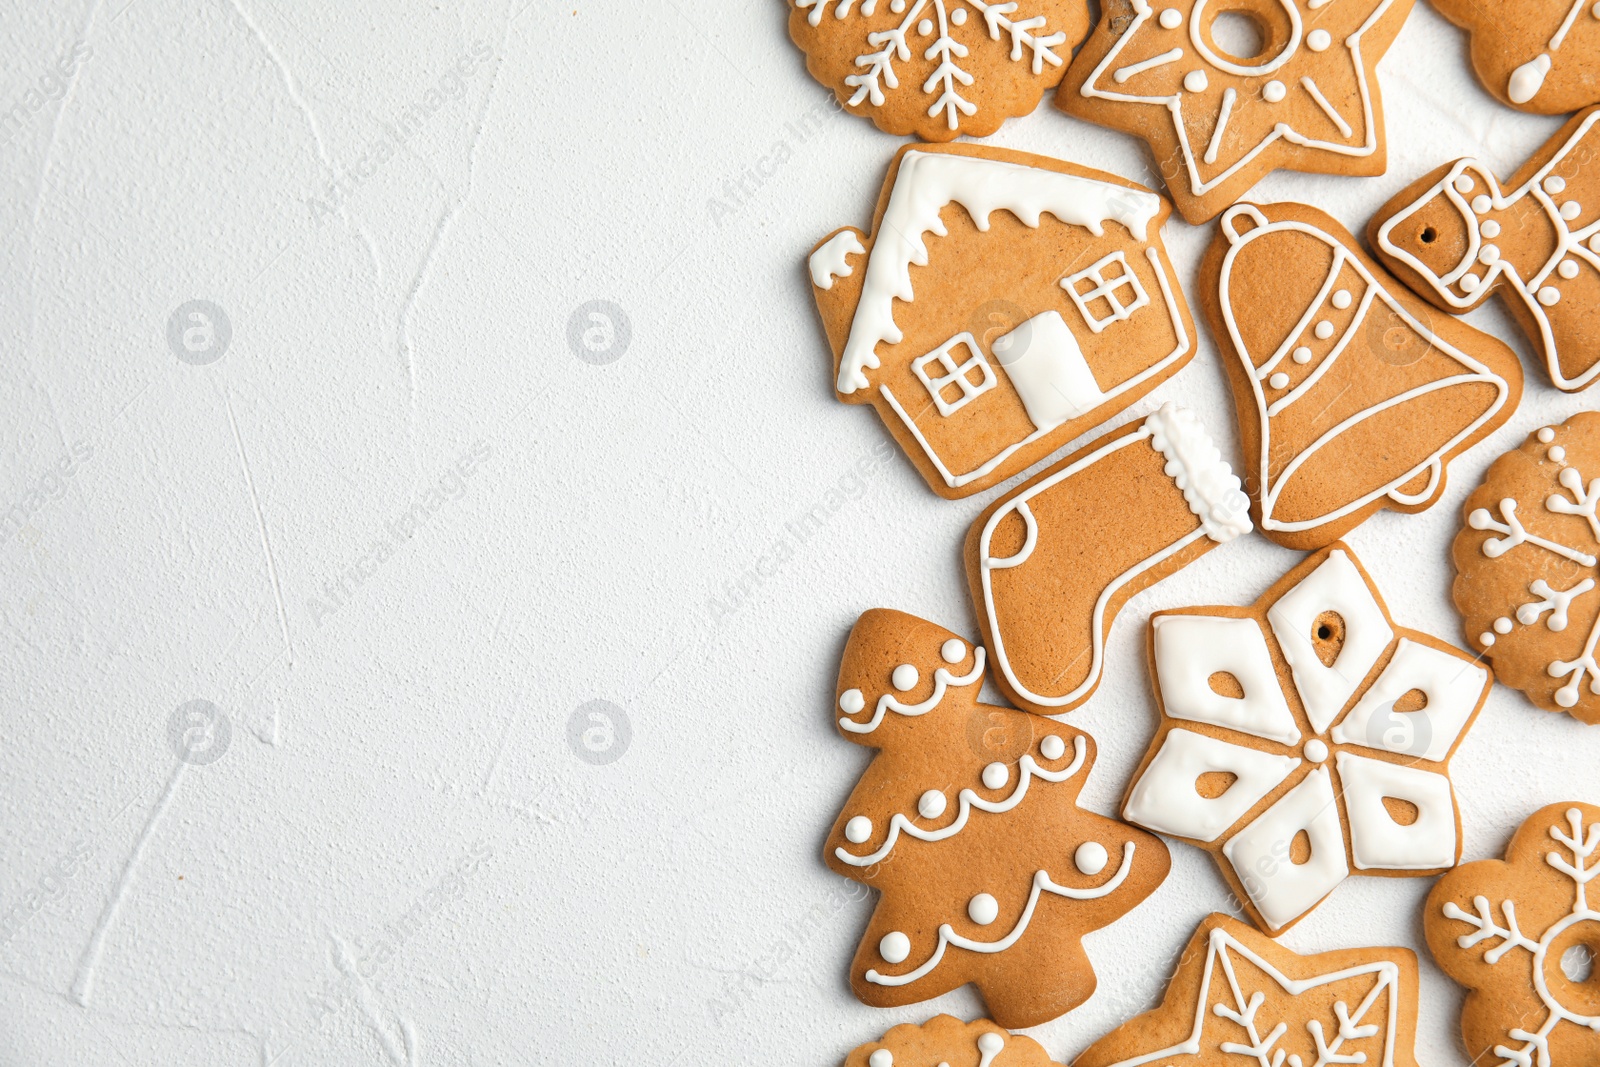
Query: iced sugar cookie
(1456, 236)
(1306, 738)
(1304, 98)
(1004, 304)
(938, 68)
(945, 1041)
(967, 824)
(1352, 394)
(1541, 56)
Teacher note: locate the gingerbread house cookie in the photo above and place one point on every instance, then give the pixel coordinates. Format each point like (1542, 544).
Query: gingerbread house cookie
(1541, 56)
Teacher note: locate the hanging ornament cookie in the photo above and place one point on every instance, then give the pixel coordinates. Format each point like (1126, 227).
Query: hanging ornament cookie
(1004, 304)
(1456, 236)
(1352, 394)
(1522, 935)
(1306, 99)
(1052, 562)
(1238, 998)
(967, 824)
(938, 68)
(1540, 56)
(945, 1041)
(1526, 567)
(1305, 738)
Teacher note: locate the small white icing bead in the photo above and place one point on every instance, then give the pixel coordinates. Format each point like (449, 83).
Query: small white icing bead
(996, 775)
(1481, 203)
(953, 651)
(959, 16)
(1470, 283)
(1195, 81)
(1318, 40)
(1171, 18)
(1052, 747)
(1555, 184)
(1489, 254)
(931, 804)
(1546, 435)
(1557, 454)
(925, 27)
(1571, 210)
(991, 1043)
(1486, 639)
(1549, 295)
(851, 701)
(1464, 184)
(1091, 857)
(1490, 229)
(894, 947)
(983, 909)
(881, 1058)
(1273, 91)
(858, 829)
(1324, 330)
(1279, 380)
(1301, 354)
(1341, 299)
(904, 677)
(1316, 750)
(1568, 269)
(1502, 625)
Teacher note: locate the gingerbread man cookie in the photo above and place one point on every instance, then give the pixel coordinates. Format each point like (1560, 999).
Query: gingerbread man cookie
(1522, 935)
(1456, 236)
(1004, 304)
(1352, 394)
(1306, 99)
(1526, 567)
(1541, 56)
(967, 824)
(945, 1041)
(1305, 738)
(938, 68)
(1238, 997)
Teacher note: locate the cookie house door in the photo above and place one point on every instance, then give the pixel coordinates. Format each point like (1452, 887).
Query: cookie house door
(1046, 367)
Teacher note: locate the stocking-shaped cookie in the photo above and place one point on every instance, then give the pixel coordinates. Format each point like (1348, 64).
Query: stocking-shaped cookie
(1457, 237)
(967, 823)
(1052, 562)
(1352, 394)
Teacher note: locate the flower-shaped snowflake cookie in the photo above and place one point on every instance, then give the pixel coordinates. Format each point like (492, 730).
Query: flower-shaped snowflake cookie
(1307, 99)
(1305, 738)
(1521, 934)
(945, 1041)
(938, 68)
(1526, 567)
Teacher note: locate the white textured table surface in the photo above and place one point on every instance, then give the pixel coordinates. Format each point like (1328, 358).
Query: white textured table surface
(400, 535)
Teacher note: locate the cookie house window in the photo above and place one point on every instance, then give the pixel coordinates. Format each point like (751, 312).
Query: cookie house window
(1107, 292)
(952, 384)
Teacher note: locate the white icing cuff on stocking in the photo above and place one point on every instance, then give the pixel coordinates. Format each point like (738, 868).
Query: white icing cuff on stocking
(1210, 487)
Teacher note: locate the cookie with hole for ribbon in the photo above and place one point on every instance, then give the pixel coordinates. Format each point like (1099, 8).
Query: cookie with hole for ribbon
(1352, 393)
(1458, 236)
(1237, 997)
(1303, 95)
(1306, 738)
(1539, 56)
(945, 1041)
(967, 824)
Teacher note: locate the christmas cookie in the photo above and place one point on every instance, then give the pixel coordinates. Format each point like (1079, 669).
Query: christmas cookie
(1239, 998)
(1457, 236)
(945, 1041)
(1352, 394)
(967, 824)
(1306, 738)
(938, 68)
(1526, 567)
(1520, 933)
(1305, 99)
(1052, 562)
(1541, 56)
(1005, 304)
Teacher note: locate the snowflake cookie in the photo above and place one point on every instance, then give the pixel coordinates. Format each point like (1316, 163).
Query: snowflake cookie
(1541, 56)
(945, 1041)
(1526, 567)
(1456, 237)
(967, 824)
(1306, 738)
(1521, 935)
(938, 68)
(1239, 999)
(1305, 98)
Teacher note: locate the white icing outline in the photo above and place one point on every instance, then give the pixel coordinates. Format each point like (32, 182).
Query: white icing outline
(1270, 488)
(888, 702)
(956, 373)
(1042, 883)
(1569, 242)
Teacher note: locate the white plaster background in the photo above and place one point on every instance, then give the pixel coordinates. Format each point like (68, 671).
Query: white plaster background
(402, 757)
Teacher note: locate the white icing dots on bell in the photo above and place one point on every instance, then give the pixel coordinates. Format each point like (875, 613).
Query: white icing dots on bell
(1557, 454)
(925, 27)
(931, 804)
(851, 701)
(858, 829)
(1546, 435)
(996, 775)
(1279, 380)
(1481, 204)
(1489, 254)
(1568, 269)
(1324, 330)
(1302, 355)
(881, 1058)
(1502, 625)
(1195, 81)
(959, 16)
(1594, 243)
(1549, 295)
(983, 909)
(1318, 40)
(991, 1043)
(904, 677)
(1052, 747)
(1490, 229)
(1091, 857)
(1571, 210)
(1555, 184)
(1171, 18)
(894, 947)
(1464, 184)
(953, 651)
(1273, 91)
(1341, 299)
(1469, 282)
(1486, 639)
(1316, 750)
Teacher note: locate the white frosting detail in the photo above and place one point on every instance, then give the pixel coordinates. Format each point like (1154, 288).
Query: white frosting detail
(1280, 889)
(851, 701)
(953, 651)
(1528, 79)
(1337, 586)
(894, 947)
(995, 776)
(831, 259)
(905, 677)
(931, 804)
(983, 909)
(1165, 799)
(928, 181)
(989, 1046)
(1453, 688)
(1091, 858)
(1191, 648)
(1045, 365)
(1052, 747)
(966, 800)
(1376, 840)
(887, 702)
(1210, 487)
(1316, 750)
(881, 1058)
(858, 829)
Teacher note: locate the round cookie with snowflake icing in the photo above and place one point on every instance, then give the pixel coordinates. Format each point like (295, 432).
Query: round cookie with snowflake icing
(945, 1041)
(1527, 583)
